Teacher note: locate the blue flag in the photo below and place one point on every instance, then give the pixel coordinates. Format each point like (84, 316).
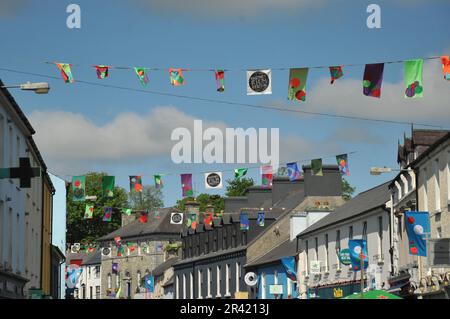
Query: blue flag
(244, 222)
(358, 247)
(293, 171)
(289, 265)
(149, 283)
(417, 225)
(261, 218)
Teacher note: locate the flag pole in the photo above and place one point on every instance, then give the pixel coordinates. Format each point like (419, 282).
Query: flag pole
(361, 257)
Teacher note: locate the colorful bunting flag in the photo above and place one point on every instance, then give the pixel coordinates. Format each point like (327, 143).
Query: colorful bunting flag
(342, 161)
(144, 217)
(107, 214)
(136, 183)
(240, 172)
(78, 188)
(108, 186)
(191, 220)
(89, 211)
(66, 72)
(118, 240)
(445, 59)
(186, 185)
(289, 265)
(297, 84)
(267, 175)
(149, 283)
(316, 167)
(142, 75)
(220, 80)
(417, 226)
(412, 72)
(157, 215)
(244, 222)
(336, 73)
(259, 82)
(176, 77)
(158, 182)
(208, 219)
(373, 78)
(261, 219)
(293, 171)
(73, 275)
(126, 211)
(358, 250)
(102, 71)
(213, 180)
(159, 247)
(120, 251)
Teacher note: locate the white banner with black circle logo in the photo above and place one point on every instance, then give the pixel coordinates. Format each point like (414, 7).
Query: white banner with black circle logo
(213, 180)
(259, 82)
(176, 218)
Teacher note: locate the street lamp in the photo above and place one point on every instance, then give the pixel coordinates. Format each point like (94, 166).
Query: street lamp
(38, 88)
(381, 170)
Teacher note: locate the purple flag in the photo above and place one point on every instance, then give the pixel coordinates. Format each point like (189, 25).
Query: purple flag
(373, 77)
(186, 185)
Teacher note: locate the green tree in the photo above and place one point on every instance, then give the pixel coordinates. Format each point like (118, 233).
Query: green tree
(237, 187)
(87, 230)
(150, 198)
(347, 190)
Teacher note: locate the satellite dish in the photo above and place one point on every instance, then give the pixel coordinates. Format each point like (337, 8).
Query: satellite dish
(251, 279)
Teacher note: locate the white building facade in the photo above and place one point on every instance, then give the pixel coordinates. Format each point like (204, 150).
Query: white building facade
(20, 208)
(320, 273)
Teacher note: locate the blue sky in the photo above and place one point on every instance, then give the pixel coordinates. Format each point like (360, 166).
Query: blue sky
(72, 119)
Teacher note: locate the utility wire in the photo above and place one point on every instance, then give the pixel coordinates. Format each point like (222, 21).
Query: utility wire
(257, 106)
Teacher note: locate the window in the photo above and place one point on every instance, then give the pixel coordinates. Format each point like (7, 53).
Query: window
(200, 282)
(364, 231)
(97, 272)
(327, 260)
(89, 272)
(306, 257)
(10, 233)
(439, 232)
(225, 239)
(97, 292)
(233, 237)
(139, 278)
(380, 234)
(219, 280)
(238, 276)
(191, 286)
(117, 280)
(338, 241)
(184, 286)
(227, 279)
(316, 248)
(263, 286)
(109, 281)
(437, 185)
(244, 238)
(350, 232)
(209, 282)
(91, 295)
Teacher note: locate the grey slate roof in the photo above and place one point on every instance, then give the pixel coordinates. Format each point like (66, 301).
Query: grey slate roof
(136, 229)
(94, 258)
(158, 271)
(363, 202)
(286, 249)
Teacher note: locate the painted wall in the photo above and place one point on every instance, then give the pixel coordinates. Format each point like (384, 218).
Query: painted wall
(275, 274)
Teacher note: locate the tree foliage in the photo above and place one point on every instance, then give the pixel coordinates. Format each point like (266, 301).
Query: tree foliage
(237, 187)
(204, 200)
(87, 230)
(149, 199)
(347, 190)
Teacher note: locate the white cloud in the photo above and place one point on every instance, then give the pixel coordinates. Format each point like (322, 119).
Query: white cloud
(228, 7)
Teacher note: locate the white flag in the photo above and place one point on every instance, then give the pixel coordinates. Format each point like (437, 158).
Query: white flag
(213, 180)
(259, 82)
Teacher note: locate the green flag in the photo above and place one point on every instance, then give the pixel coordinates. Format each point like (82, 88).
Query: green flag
(89, 211)
(142, 75)
(126, 211)
(78, 188)
(108, 186)
(158, 182)
(239, 172)
(316, 167)
(412, 72)
(297, 84)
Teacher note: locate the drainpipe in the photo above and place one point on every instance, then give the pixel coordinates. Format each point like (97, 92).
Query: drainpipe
(391, 232)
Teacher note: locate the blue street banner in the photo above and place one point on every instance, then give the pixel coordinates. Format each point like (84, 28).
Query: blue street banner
(358, 250)
(293, 171)
(417, 226)
(289, 265)
(149, 283)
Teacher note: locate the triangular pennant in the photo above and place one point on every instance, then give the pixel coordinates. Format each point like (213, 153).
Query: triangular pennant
(66, 72)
